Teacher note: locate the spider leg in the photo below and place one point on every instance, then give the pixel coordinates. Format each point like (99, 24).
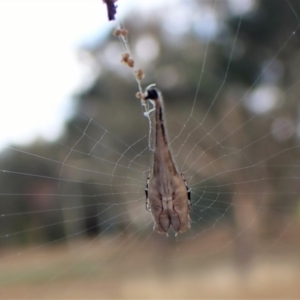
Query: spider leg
(146, 193)
(188, 189)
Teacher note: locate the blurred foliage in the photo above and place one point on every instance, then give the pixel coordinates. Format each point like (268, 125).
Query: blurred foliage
(246, 166)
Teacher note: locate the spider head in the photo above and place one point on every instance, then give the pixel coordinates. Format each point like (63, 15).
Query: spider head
(151, 93)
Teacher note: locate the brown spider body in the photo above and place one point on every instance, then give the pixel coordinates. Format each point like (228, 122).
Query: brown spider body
(167, 194)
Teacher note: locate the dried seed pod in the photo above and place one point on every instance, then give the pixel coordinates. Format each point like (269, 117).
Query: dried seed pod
(125, 57)
(127, 60)
(139, 74)
(130, 63)
(139, 95)
(124, 31)
(117, 32)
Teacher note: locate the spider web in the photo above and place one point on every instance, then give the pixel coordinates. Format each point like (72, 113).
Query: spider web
(73, 216)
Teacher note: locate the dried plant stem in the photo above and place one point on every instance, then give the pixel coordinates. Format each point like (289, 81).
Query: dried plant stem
(122, 33)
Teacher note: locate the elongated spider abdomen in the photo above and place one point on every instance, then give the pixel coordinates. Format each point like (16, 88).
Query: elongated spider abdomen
(168, 197)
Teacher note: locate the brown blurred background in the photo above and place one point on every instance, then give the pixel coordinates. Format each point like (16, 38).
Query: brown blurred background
(74, 223)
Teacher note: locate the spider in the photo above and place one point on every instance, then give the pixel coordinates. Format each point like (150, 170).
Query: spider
(168, 196)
